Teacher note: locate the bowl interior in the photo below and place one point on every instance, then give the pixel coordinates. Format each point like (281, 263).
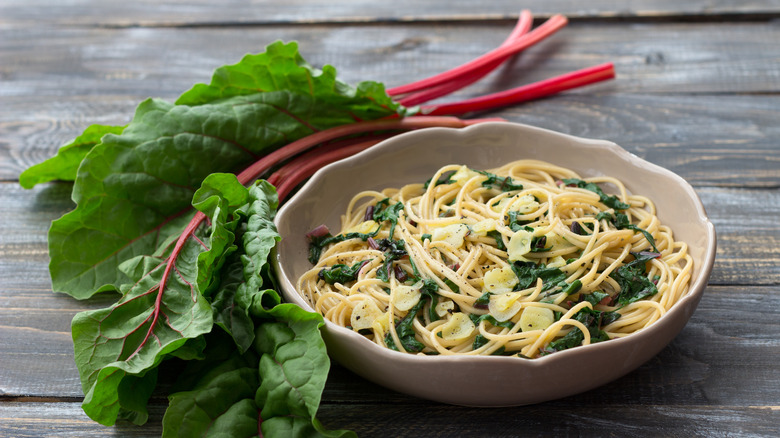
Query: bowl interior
(414, 157)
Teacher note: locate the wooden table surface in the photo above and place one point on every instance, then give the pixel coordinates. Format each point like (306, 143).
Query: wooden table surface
(698, 92)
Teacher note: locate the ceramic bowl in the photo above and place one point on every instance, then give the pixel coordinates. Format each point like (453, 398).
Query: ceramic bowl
(492, 380)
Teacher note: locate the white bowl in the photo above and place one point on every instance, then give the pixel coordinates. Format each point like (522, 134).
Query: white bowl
(492, 380)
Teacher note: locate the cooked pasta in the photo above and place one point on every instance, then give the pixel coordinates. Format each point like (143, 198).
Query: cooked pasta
(527, 259)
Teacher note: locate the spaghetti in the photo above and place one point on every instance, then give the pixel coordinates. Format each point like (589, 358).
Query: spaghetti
(527, 259)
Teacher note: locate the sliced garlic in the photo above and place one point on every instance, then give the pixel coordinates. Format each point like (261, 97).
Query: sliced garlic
(381, 323)
(525, 204)
(444, 307)
(504, 306)
(499, 206)
(451, 234)
(536, 318)
(519, 245)
(458, 328)
(556, 262)
(483, 227)
(366, 227)
(555, 242)
(500, 280)
(364, 314)
(405, 297)
(463, 175)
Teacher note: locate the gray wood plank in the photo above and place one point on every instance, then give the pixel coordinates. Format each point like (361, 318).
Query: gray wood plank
(35, 419)
(203, 13)
(682, 58)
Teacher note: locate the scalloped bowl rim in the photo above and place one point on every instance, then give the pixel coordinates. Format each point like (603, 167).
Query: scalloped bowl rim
(343, 343)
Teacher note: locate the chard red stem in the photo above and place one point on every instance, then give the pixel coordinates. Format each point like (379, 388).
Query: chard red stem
(314, 161)
(523, 26)
(308, 142)
(549, 27)
(532, 91)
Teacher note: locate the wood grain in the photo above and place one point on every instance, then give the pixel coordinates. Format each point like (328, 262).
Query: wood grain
(676, 58)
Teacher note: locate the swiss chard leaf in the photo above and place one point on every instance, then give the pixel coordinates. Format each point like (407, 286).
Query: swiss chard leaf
(405, 331)
(620, 221)
(633, 281)
(133, 190)
(502, 183)
(243, 285)
(498, 237)
(293, 368)
(593, 321)
(64, 165)
(219, 391)
(528, 272)
(384, 212)
(341, 273)
(476, 319)
(128, 340)
(611, 201)
(393, 250)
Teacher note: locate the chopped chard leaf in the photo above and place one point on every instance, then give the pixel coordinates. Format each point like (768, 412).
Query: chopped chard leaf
(620, 221)
(502, 183)
(444, 178)
(633, 281)
(498, 238)
(341, 273)
(594, 320)
(611, 201)
(528, 272)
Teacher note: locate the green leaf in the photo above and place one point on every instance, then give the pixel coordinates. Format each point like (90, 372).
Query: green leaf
(502, 183)
(242, 289)
(528, 272)
(133, 190)
(220, 196)
(293, 368)
(64, 165)
(220, 396)
(134, 335)
(281, 67)
(633, 281)
(163, 309)
(611, 201)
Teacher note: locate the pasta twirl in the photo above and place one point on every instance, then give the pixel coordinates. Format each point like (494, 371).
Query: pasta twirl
(526, 259)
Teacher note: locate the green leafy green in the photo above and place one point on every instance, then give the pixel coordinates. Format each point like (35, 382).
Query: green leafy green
(620, 221)
(633, 281)
(243, 285)
(405, 332)
(611, 201)
(593, 321)
(384, 212)
(64, 165)
(133, 189)
(528, 272)
(393, 250)
(134, 335)
(594, 297)
(476, 319)
(502, 183)
(341, 273)
(497, 236)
